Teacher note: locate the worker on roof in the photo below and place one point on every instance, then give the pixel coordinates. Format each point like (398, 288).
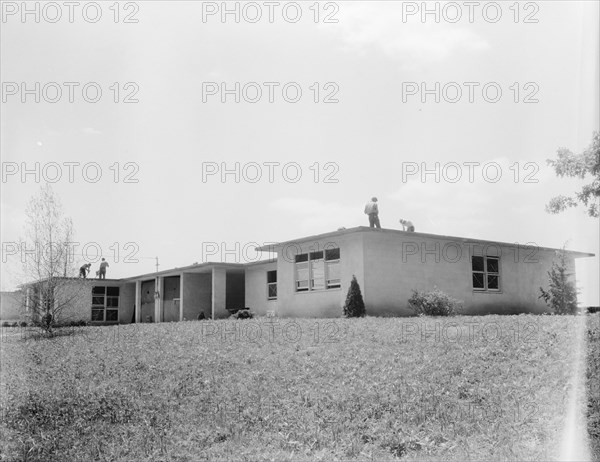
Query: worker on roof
(407, 225)
(372, 210)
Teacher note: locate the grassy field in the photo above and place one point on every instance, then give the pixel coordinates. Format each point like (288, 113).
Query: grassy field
(593, 384)
(458, 389)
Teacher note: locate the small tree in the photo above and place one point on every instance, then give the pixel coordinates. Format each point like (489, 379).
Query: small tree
(48, 260)
(561, 296)
(354, 306)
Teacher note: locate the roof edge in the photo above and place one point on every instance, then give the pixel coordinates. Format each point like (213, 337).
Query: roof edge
(366, 229)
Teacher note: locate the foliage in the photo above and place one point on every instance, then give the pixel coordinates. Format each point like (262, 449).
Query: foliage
(355, 305)
(561, 295)
(434, 303)
(578, 166)
(244, 313)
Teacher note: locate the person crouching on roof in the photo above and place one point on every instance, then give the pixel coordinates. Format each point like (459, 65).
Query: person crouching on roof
(407, 226)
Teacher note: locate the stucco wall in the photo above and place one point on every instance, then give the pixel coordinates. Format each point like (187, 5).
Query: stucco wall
(11, 305)
(322, 303)
(256, 288)
(389, 265)
(219, 294)
(76, 294)
(395, 265)
(76, 298)
(126, 303)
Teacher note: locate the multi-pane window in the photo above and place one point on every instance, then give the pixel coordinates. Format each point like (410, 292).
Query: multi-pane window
(272, 285)
(486, 273)
(332, 268)
(302, 272)
(318, 270)
(105, 304)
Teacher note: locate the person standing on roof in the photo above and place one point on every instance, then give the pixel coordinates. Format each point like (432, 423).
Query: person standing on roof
(372, 210)
(102, 270)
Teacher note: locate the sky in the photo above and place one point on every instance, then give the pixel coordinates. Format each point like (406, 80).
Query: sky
(447, 119)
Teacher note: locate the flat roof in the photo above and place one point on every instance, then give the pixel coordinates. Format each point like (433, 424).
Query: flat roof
(194, 268)
(366, 229)
(69, 278)
(261, 262)
(208, 266)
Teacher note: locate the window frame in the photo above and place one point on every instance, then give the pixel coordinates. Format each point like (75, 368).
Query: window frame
(271, 284)
(330, 262)
(308, 262)
(100, 303)
(486, 274)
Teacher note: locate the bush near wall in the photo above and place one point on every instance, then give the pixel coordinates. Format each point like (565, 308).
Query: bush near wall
(243, 313)
(434, 303)
(355, 305)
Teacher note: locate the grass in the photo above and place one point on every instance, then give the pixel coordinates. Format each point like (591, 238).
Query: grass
(457, 389)
(593, 384)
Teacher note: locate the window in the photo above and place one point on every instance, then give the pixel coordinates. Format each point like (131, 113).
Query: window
(302, 272)
(332, 268)
(486, 273)
(272, 285)
(318, 270)
(105, 304)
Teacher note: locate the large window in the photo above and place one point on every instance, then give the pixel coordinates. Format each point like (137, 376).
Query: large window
(486, 273)
(318, 270)
(272, 285)
(105, 304)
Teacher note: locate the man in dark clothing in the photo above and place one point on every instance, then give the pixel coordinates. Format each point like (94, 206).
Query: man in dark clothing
(84, 270)
(102, 270)
(372, 210)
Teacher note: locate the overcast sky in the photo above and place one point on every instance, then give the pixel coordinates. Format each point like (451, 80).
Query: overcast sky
(372, 138)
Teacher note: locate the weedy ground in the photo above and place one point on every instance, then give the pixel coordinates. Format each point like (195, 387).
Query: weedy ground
(457, 389)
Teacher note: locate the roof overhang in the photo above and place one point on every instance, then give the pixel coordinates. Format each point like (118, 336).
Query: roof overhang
(403, 234)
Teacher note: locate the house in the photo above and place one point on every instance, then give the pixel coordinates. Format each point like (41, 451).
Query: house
(310, 278)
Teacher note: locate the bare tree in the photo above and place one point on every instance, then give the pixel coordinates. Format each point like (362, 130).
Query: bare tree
(47, 260)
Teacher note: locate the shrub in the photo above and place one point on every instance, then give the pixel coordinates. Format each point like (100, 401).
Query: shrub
(244, 313)
(561, 295)
(23, 324)
(434, 303)
(47, 320)
(355, 305)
